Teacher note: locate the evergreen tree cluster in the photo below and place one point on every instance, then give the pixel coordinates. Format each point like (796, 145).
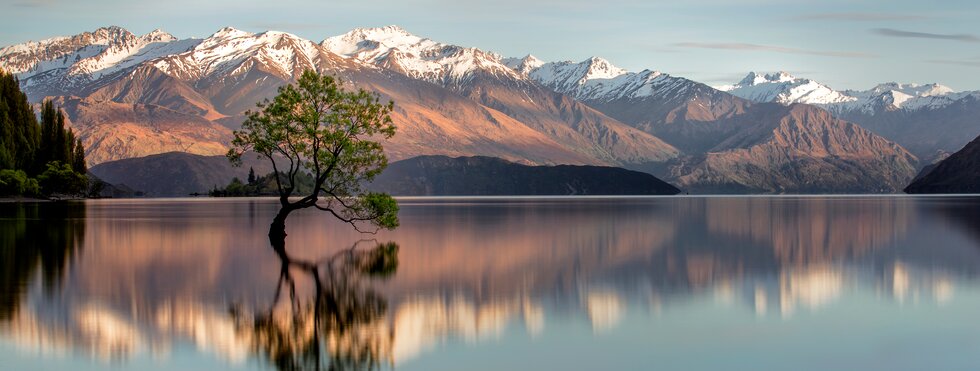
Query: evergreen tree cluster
(37, 157)
(260, 186)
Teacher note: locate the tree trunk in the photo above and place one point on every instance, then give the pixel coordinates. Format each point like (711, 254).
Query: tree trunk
(277, 231)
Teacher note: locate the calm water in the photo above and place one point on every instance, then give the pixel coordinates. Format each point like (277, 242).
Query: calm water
(596, 283)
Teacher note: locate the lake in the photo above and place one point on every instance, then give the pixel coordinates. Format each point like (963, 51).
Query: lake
(679, 283)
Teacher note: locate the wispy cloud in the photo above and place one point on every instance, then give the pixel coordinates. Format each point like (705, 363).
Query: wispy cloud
(772, 49)
(859, 17)
(925, 35)
(33, 3)
(975, 62)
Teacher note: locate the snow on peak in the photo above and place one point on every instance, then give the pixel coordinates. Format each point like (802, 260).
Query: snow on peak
(421, 58)
(231, 51)
(908, 96)
(110, 35)
(229, 33)
(385, 32)
(523, 65)
(84, 57)
(567, 76)
(158, 35)
(599, 68)
(915, 90)
(598, 79)
(784, 88)
(755, 78)
(365, 43)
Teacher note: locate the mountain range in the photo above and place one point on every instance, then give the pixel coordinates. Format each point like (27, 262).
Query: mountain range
(133, 95)
(930, 120)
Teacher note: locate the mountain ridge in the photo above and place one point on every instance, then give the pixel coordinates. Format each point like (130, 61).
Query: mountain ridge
(931, 120)
(452, 100)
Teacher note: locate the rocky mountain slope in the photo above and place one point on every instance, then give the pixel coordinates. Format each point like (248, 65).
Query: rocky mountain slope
(930, 120)
(221, 76)
(487, 79)
(960, 173)
(797, 149)
(135, 95)
(732, 144)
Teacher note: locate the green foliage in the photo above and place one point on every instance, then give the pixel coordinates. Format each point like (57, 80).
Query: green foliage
(262, 186)
(59, 178)
(27, 148)
(19, 131)
(78, 158)
(16, 183)
(96, 187)
(235, 187)
(316, 126)
(380, 262)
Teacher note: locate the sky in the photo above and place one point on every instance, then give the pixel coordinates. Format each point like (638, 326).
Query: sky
(847, 44)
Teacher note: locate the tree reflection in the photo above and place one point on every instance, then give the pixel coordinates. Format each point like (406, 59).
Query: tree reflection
(33, 237)
(342, 327)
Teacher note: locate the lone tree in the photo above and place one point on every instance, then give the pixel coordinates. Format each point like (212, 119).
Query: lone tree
(317, 127)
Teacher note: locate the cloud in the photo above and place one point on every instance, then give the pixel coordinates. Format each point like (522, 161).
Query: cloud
(34, 3)
(859, 17)
(957, 62)
(924, 35)
(772, 49)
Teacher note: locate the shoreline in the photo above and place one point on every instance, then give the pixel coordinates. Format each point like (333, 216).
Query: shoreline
(22, 199)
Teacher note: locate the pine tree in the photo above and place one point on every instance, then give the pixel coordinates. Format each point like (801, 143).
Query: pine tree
(78, 159)
(46, 150)
(19, 130)
(60, 143)
(70, 143)
(28, 148)
(251, 176)
(7, 145)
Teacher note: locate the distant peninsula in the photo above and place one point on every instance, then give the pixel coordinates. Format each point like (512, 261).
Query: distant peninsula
(490, 176)
(182, 174)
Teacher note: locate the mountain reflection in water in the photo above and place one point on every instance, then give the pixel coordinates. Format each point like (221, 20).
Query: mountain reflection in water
(135, 281)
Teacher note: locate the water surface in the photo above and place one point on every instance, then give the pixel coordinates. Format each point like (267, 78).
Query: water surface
(496, 283)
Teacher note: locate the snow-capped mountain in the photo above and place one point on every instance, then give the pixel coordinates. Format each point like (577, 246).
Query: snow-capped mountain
(930, 120)
(781, 87)
(393, 48)
(909, 97)
(230, 52)
(73, 63)
(78, 63)
(169, 94)
(596, 79)
(490, 80)
(132, 96)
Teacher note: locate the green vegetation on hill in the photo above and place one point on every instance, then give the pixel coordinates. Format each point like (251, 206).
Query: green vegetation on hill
(478, 176)
(490, 176)
(37, 158)
(261, 186)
